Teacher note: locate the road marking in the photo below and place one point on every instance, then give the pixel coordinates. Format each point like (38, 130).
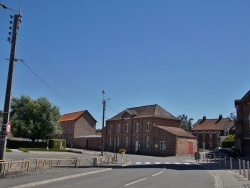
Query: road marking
(177, 163)
(187, 163)
(59, 179)
(157, 163)
(157, 173)
(167, 162)
(135, 182)
(138, 163)
(147, 162)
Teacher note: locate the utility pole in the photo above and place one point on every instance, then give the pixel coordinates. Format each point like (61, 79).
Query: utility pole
(103, 117)
(6, 112)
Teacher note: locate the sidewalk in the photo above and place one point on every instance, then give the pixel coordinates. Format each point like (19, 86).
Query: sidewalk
(225, 177)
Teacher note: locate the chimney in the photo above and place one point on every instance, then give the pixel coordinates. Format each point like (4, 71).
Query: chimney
(220, 117)
(203, 119)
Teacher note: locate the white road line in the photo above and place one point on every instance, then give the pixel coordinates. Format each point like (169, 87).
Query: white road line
(187, 163)
(135, 182)
(177, 163)
(157, 163)
(157, 173)
(147, 162)
(138, 163)
(59, 179)
(167, 162)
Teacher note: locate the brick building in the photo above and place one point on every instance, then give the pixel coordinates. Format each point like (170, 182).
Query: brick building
(242, 124)
(148, 130)
(211, 132)
(76, 125)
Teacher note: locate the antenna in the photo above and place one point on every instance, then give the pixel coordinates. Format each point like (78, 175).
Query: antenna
(20, 5)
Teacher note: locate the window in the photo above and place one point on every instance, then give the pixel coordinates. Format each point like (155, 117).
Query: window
(110, 141)
(210, 134)
(226, 132)
(147, 142)
(218, 134)
(137, 127)
(117, 141)
(162, 145)
(110, 128)
(118, 128)
(126, 128)
(147, 127)
(126, 142)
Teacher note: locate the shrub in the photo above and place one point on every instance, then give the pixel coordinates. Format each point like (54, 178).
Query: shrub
(15, 144)
(228, 142)
(57, 144)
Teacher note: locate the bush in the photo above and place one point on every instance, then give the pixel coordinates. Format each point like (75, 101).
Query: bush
(228, 142)
(15, 144)
(57, 144)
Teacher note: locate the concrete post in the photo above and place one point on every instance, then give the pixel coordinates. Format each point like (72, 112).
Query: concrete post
(248, 174)
(231, 163)
(244, 168)
(239, 167)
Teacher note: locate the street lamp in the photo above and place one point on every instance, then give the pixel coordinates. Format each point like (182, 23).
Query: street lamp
(12, 59)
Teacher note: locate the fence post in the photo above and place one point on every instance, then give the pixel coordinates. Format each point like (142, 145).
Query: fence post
(239, 167)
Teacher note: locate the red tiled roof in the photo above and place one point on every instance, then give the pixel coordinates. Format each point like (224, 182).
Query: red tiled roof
(177, 131)
(145, 111)
(212, 124)
(71, 117)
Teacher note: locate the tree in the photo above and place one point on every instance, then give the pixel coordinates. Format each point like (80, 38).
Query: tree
(34, 119)
(186, 123)
(1, 113)
(232, 116)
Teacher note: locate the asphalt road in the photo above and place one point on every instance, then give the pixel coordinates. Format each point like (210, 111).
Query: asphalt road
(142, 172)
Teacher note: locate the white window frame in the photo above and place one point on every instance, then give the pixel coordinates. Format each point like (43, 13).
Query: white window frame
(137, 127)
(163, 145)
(118, 141)
(118, 128)
(126, 127)
(147, 142)
(126, 141)
(147, 127)
(110, 141)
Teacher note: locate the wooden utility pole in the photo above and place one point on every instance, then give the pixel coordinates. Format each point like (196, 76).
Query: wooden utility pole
(6, 111)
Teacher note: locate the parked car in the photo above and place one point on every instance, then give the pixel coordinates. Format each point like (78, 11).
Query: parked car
(219, 153)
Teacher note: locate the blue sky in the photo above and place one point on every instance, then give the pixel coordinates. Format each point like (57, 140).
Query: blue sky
(190, 57)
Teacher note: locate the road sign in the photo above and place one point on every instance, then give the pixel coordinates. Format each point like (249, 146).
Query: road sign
(8, 128)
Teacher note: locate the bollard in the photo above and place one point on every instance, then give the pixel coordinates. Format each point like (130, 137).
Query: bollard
(225, 161)
(248, 174)
(95, 161)
(231, 163)
(244, 168)
(239, 167)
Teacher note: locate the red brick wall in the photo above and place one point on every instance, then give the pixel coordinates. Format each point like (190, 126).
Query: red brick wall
(84, 126)
(88, 143)
(183, 146)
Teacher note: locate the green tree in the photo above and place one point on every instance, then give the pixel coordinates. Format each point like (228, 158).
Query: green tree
(34, 119)
(186, 123)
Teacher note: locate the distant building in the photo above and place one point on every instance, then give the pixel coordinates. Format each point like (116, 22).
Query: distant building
(211, 132)
(76, 125)
(149, 130)
(242, 124)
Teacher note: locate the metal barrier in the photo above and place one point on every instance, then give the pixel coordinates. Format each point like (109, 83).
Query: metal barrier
(39, 164)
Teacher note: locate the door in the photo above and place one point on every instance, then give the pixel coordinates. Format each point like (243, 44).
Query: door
(190, 148)
(136, 144)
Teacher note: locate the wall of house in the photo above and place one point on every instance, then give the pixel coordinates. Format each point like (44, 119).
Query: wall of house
(84, 126)
(186, 146)
(88, 143)
(242, 125)
(211, 142)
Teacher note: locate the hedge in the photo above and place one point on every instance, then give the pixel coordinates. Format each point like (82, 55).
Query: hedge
(57, 144)
(15, 144)
(228, 142)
